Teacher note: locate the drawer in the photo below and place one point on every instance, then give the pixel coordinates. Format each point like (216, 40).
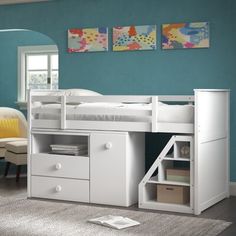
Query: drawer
(60, 166)
(173, 194)
(59, 188)
(178, 175)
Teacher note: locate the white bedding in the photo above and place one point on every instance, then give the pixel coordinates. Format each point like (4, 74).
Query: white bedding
(166, 113)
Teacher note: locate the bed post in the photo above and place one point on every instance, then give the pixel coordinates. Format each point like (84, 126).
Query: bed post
(211, 157)
(154, 113)
(228, 144)
(63, 111)
(29, 118)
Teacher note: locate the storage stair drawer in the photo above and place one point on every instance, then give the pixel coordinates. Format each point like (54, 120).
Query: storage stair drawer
(65, 166)
(173, 194)
(59, 188)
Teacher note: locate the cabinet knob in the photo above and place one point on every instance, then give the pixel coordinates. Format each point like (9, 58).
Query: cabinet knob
(108, 145)
(58, 166)
(58, 188)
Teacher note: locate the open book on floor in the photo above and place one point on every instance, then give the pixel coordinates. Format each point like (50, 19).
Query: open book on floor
(116, 222)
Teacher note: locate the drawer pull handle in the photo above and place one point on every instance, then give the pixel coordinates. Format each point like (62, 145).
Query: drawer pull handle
(108, 145)
(171, 189)
(58, 188)
(58, 166)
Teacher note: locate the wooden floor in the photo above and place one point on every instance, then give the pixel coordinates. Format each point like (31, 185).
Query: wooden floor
(225, 210)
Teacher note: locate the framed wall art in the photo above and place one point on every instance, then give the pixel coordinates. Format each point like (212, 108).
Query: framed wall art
(131, 38)
(185, 35)
(88, 40)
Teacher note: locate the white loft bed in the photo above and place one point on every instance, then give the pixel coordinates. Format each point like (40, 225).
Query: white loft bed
(209, 128)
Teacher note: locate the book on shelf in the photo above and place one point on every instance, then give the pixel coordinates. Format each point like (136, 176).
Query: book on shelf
(76, 150)
(70, 152)
(68, 146)
(116, 222)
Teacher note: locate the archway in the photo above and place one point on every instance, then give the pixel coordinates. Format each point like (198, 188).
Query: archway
(28, 60)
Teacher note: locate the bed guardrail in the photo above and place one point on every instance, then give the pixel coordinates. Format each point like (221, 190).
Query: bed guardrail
(150, 113)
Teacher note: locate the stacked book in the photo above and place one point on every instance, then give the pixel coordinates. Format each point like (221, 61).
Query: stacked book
(66, 149)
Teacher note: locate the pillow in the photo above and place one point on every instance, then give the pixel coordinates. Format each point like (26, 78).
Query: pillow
(81, 92)
(9, 128)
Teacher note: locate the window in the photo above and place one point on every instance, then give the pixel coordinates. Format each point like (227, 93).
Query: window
(38, 69)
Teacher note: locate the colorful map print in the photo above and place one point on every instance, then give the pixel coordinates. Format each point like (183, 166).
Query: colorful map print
(88, 40)
(134, 38)
(185, 35)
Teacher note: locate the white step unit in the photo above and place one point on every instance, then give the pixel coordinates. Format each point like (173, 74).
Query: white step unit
(148, 185)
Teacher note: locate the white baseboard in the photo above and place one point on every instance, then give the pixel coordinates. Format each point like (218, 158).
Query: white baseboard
(13, 176)
(232, 188)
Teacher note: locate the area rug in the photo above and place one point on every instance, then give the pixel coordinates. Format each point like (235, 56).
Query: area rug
(30, 217)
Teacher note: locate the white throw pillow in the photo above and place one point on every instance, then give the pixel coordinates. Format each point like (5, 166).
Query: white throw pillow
(81, 92)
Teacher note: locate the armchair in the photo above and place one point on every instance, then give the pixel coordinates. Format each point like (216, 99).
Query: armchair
(8, 114)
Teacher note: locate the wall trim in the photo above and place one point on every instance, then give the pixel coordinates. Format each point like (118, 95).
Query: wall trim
(232, 188)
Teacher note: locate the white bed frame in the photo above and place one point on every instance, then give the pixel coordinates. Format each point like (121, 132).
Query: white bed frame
(210, 132)
(154, 126)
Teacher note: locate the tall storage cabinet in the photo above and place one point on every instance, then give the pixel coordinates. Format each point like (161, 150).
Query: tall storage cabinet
(108, 174)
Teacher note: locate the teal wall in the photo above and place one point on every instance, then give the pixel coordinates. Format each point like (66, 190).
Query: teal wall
(9, 41)
(143, 72)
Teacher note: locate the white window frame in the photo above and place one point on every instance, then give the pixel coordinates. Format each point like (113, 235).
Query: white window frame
(22, 52)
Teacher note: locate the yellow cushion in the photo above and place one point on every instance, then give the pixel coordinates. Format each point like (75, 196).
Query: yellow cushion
(9, 128)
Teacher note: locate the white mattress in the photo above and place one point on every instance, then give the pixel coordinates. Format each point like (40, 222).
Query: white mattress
(166, 113)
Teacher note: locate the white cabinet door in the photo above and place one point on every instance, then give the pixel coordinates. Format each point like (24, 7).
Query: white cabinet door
(108, 169)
